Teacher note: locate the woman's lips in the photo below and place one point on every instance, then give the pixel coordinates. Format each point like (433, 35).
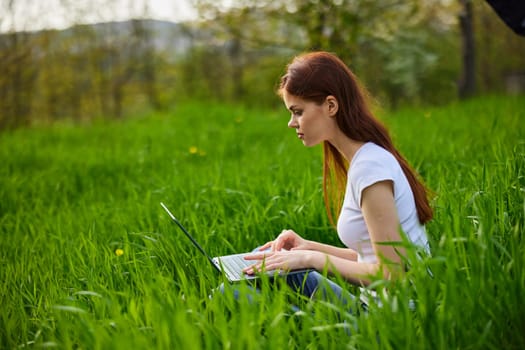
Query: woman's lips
(300, 135)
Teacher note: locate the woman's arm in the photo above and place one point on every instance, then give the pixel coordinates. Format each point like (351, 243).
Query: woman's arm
(380, 214)
(357, 273)
(352, 271)
(381, 218)
(290, 240)
(344, 253)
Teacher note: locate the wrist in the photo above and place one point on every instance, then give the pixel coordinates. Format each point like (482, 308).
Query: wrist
(315, 260)
(310, 245)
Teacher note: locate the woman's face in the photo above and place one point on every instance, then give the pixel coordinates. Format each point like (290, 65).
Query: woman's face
(314, 123)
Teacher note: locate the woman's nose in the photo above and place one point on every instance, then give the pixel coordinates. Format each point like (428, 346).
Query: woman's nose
(292, 123)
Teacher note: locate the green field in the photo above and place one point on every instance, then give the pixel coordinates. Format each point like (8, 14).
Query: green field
(70, 196)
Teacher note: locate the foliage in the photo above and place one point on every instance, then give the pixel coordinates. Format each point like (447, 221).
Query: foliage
(90, 260)
(405, 52)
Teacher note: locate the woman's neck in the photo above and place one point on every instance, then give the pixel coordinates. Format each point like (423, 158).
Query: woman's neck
(345, 145)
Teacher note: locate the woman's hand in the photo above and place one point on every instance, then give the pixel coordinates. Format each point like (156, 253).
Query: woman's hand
(285, 260)
(288, 240)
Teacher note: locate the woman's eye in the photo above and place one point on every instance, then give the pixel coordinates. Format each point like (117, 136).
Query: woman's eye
(297, 113)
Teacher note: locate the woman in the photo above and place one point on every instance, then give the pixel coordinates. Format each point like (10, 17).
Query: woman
(364, 177)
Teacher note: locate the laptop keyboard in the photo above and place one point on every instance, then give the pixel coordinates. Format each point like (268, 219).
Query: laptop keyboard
(234, 264)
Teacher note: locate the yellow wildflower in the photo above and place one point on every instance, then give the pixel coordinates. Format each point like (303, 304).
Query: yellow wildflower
(193, 150)
(119, 252)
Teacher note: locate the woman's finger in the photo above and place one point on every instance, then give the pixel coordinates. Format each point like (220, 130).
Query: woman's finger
(279, 243)
(250, 270)
(265, 246)
(257, 256)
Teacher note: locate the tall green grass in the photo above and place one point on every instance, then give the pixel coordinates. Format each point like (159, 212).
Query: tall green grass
(71, 196)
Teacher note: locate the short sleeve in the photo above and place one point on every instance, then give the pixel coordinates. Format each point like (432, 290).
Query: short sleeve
(367, 172)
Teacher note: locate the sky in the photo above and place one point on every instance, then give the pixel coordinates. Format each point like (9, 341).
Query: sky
(39, 14)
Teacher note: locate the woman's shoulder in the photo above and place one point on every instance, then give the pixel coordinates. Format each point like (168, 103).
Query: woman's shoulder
(371, 153)
(373, 163)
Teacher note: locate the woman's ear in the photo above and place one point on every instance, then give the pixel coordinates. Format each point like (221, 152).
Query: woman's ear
(333, 106)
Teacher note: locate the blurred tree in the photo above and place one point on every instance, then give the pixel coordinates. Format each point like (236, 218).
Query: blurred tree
(390, 33)
(406, 59)
(80, 72)
(202, 74)
(143, 55)
(18, 73)
(412, 62)
(405, 51)
(341, 26)
(244, 31)
(467, 82)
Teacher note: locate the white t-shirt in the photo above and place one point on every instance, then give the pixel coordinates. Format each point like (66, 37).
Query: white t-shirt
(371, 164)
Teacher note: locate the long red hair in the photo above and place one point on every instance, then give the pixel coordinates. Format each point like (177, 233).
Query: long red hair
(313, 77)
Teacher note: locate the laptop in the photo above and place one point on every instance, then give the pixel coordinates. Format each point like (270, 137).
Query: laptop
(229, 265)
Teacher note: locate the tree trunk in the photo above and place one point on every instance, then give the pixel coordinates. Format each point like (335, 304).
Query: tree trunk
(235, 53)
(467, 83)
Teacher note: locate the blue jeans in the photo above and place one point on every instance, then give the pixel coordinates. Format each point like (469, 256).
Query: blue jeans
(315, 286)
(312, 285)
